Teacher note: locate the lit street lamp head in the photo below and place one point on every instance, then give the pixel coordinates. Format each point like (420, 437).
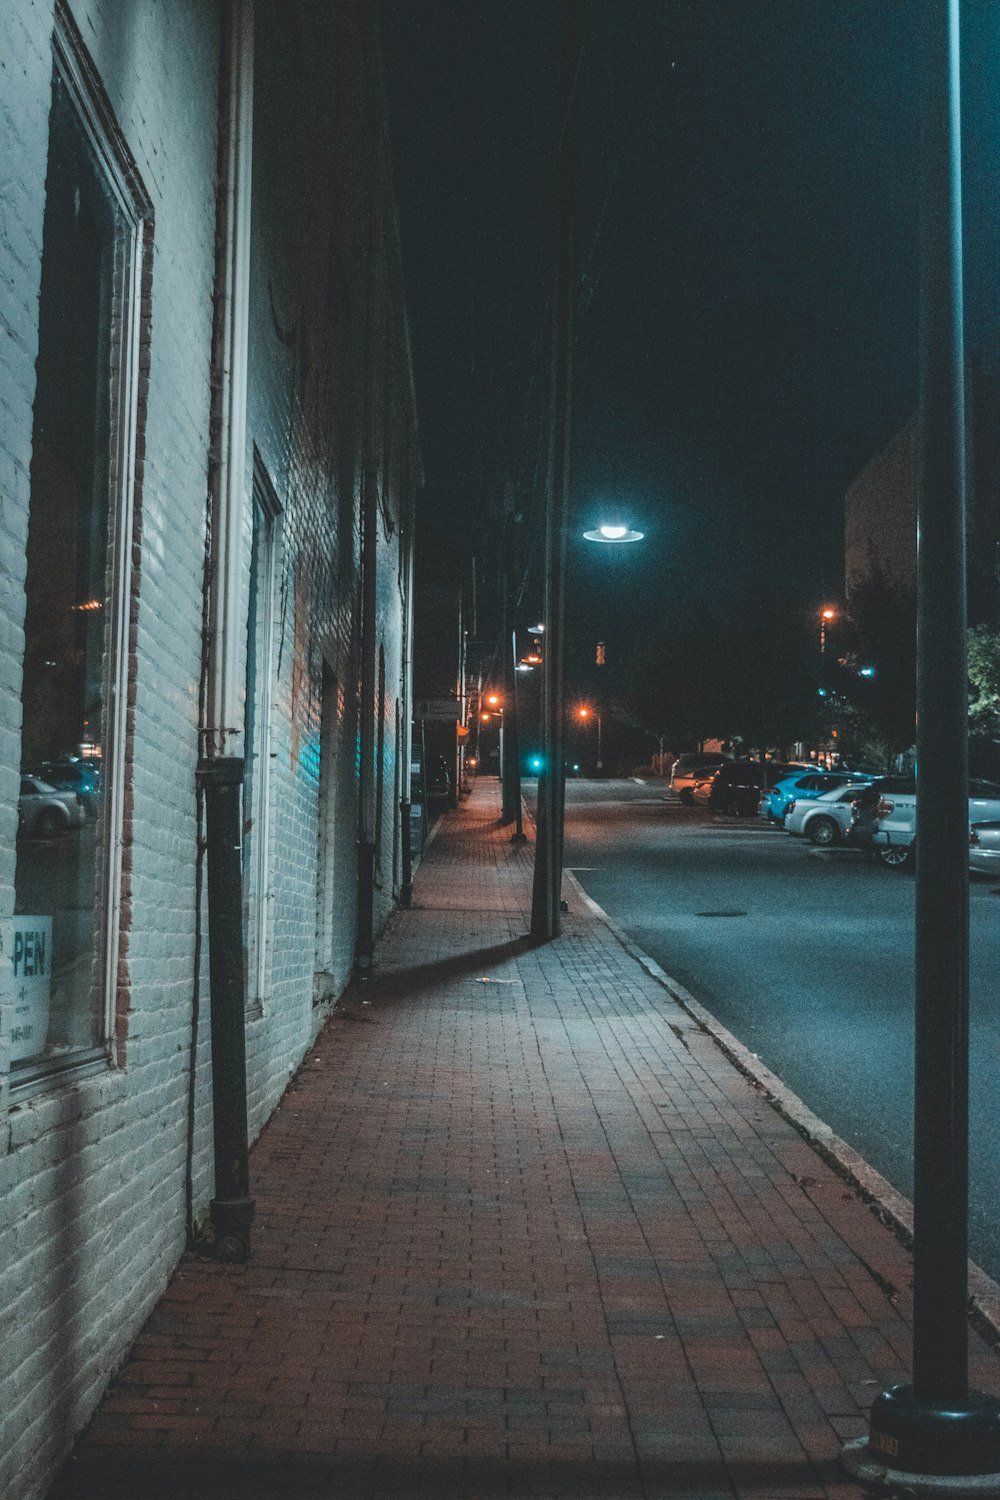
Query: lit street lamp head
(613, 533)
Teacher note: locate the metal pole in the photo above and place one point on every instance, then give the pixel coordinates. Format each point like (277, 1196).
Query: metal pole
(940, 1328)
(936, 1426)
(514, 747)
(546, 902)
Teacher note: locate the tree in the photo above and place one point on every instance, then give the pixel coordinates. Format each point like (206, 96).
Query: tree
(984, 681)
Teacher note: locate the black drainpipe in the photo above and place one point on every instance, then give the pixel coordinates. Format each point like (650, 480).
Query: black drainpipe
(232, 1208)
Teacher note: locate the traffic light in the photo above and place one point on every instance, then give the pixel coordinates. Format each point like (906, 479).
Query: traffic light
(600, 653)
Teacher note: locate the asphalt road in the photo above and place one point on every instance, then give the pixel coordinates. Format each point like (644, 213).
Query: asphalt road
(805, 955)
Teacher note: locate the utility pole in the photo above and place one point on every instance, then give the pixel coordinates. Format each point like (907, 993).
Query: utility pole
(508, 728)
(936, 1425)
(514, 746)
(546, 898)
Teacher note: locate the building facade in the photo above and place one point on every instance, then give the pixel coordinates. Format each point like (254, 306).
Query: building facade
(209, 460)
(880, 506)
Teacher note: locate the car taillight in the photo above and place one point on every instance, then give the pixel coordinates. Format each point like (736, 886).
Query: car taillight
(790, 807)
(973, 836)
(884, 809)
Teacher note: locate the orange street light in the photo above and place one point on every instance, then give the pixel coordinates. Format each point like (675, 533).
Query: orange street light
(826, 613)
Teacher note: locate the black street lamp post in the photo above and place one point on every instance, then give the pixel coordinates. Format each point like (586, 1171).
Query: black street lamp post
(936, 1426)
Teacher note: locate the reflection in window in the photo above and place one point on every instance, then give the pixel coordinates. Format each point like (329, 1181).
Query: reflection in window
(73, 586)
(257, 739)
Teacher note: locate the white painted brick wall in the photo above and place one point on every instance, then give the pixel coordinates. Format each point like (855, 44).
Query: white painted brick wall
(92, 1175)
(93, 1170)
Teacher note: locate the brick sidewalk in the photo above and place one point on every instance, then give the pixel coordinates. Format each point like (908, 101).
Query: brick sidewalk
(523, 1230)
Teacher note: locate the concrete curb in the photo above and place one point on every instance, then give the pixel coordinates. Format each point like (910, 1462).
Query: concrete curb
(889, 1205)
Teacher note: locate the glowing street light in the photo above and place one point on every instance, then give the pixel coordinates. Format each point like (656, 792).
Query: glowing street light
(585, 713)
(826, 614)
(613, 532)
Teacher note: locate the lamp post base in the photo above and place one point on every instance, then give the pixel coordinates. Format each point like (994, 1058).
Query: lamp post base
(929, 1450)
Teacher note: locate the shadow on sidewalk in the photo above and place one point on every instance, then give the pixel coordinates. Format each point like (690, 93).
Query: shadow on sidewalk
(259, 1474)
(417, 978)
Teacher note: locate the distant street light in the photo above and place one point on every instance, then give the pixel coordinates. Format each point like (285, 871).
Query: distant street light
(585, 713)
(826, 614)
(613, 533)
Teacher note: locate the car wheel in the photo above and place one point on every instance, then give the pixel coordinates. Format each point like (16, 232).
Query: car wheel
(686, 795)
(822, 830)
(897, 856)
(48, 824)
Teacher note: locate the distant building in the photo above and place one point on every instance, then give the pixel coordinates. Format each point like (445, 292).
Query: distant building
(209, 459)
(880, 510)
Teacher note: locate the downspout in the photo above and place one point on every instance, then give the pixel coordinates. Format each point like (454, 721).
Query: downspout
(221, 769)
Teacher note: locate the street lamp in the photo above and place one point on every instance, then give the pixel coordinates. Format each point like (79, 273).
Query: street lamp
(585, 713)
(826, 614)
(613, 532)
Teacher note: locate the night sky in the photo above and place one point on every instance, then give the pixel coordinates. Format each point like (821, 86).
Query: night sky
(747, 274)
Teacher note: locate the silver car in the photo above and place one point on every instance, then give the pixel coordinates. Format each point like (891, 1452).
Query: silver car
(895, 826)
(826, 819)
(984, 848)
(44, 810)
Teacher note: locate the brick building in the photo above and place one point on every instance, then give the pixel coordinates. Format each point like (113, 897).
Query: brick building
(880, 509)
(209, 459)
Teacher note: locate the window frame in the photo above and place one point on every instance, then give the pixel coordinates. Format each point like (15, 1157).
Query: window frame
(261, 902)
(132, 254)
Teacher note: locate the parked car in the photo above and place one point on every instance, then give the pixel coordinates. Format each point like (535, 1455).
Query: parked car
(438, 779)
(868, 799)
(737, 787)
(894, 826)
(702, 788)
(826, 818)
(72, 774)
(44, 810)
(804, 785)
(687, 770)
(984, 848)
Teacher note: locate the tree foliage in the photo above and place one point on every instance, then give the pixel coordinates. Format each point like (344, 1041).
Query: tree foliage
(984, 679)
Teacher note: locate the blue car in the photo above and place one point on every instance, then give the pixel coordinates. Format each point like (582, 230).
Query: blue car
(804, 785)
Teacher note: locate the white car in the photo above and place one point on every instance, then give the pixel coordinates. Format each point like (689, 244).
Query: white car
(826, 819)
(44, 810)
(688, 770)
(984, 848)
(894, 829)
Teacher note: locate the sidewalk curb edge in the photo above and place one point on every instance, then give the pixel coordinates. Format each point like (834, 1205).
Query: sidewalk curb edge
(886, 1202)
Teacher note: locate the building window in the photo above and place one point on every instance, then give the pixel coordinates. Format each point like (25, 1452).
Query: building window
(257, 900)
(65, 936)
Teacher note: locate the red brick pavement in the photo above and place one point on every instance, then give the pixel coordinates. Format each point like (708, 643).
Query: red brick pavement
(523, 1230)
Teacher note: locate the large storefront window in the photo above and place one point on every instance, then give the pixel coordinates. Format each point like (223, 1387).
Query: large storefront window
(81, 483)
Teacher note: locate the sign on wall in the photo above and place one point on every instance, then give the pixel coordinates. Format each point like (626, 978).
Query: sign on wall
(26, 982)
